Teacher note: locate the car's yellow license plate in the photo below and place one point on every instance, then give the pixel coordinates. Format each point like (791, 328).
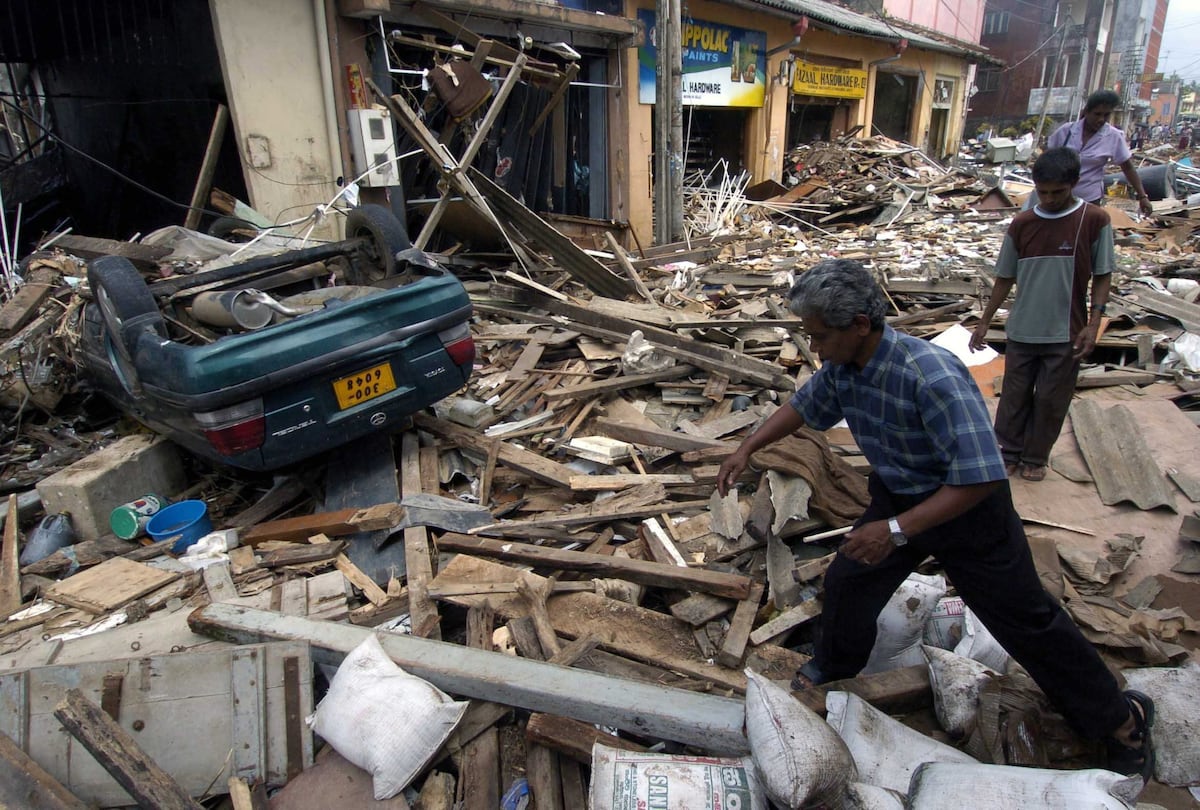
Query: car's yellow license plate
(364, 385)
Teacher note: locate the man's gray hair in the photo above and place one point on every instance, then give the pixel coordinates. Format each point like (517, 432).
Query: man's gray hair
(835, 290)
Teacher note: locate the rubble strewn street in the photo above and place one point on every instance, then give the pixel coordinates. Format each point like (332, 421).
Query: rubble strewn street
(545, 547)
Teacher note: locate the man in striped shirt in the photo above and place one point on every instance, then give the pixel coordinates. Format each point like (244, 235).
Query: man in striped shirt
(938, 488)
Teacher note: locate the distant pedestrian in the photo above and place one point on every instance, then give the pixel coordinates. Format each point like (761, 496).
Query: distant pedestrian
(1099, 143)
(1185, 138)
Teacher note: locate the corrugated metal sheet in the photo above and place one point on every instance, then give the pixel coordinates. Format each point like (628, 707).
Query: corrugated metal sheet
(1119, 458)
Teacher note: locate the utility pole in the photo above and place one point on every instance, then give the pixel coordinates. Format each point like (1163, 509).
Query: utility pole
(668, 132)
(1062, 41)
(676, 140)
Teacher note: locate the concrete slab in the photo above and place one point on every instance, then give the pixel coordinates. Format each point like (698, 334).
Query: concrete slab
(128, 468)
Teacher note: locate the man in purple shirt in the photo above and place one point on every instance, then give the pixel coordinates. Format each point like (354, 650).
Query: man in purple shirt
(1098, 144)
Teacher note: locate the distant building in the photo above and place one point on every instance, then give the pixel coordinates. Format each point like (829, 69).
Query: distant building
(1055, 57)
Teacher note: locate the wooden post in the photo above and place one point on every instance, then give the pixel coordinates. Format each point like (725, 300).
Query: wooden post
(10, 571)
(148, 784)
(423, 610)
(207, 168)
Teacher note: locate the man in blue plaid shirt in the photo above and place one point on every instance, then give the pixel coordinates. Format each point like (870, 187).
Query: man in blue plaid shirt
(938, 488)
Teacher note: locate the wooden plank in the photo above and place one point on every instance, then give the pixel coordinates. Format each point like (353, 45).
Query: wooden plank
(732, 586)
(662, 547)
(708, 721)
(144, 257)
(334, 524)
(629, 630)
(532, 464)
(621, 382)
(700, 608)
(424, 611)
(23, 307)
(301, 554)
(10, 570)
(27, 785)
(897, 691)
(114, 748)
(110, 585)
(788, 620)
(208, 167)
(566, 253)
(545, 783)
(604, 483)
(657, 437)
(575, 786)
(571, 737)
(484, 588)
(219, 582)
(480, 773)
(736, 365)
(374, 594)
(734, 647)
(623, 259)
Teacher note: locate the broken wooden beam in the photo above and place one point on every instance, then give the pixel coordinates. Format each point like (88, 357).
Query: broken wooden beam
(525, 461)
(711, 722)
(334, 524)
(116, 750)
(10, 570)
(27, 784)
(571, 737)
(643, 572)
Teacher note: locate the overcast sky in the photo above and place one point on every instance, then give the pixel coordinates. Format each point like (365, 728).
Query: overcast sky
(1180, 50)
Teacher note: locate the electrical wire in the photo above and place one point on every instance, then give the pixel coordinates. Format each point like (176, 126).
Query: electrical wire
(1031, 54)
(116, 172)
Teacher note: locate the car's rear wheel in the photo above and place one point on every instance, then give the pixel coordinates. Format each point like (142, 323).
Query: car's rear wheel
(386, 236)
(233, 229)
(126, 307)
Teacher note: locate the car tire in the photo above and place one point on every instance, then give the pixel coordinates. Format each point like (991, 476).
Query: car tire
(126, 307)
(387, 238)
(232, 229)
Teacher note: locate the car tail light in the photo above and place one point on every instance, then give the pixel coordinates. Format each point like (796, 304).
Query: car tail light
(235, 429)
(458, 343)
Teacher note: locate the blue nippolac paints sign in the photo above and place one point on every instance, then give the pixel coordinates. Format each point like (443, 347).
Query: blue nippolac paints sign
(723, 66)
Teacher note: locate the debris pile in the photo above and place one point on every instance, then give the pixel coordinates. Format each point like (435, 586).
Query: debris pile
(545, 551)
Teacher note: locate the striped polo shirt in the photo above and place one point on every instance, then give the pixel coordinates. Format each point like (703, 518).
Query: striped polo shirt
(1053, 258)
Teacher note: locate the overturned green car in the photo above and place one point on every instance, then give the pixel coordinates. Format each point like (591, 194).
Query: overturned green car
(351, 360)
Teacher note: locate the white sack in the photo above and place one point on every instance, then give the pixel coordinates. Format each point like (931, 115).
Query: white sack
(629, 780)
(797, 754)
(885, 751)
(901, 623)
(980, 645)
(384, 720)
(861, 796)
(956, 683)
(1176, 731)
(944, 786)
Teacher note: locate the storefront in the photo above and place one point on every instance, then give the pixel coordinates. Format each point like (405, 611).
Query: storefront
(826, 94)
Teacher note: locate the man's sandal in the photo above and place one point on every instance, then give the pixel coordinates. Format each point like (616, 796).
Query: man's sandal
(1033, 472)
(1137, 760)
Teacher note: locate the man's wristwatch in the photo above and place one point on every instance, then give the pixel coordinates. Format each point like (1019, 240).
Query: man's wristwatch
(899, 538)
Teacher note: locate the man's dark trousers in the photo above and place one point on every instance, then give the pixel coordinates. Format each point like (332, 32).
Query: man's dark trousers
(986, 556)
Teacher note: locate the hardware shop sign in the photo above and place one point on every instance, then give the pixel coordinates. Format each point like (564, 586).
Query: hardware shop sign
(823, 80)
(723, 66)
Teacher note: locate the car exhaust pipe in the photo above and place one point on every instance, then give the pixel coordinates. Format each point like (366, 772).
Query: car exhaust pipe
(239, 309)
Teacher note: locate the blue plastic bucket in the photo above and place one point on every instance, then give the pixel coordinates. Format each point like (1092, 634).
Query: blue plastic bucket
(185, 522)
